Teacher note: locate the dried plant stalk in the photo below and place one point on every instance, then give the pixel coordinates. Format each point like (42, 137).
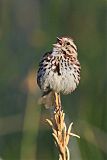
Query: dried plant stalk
(60, 132)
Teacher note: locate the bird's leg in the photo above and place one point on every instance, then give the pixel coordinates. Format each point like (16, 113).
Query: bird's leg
(56, 101)
(59, 101)
(58, 108)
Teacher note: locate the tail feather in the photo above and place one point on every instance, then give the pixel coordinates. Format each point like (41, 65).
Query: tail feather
(47, 99)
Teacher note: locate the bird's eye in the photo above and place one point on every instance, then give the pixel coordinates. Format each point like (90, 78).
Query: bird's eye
(68, 43)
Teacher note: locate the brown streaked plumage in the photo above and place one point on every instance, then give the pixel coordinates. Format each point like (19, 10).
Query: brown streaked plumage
(59, 70)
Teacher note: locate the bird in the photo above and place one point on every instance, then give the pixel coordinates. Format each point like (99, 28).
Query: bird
(59, 70)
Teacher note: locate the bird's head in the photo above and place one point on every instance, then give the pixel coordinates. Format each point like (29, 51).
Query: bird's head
(66, 45)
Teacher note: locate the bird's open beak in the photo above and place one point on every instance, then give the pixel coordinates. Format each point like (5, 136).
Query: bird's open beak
(59, 43)
(59, 39)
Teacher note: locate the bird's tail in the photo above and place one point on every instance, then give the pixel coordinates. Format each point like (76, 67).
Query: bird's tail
(47, 99)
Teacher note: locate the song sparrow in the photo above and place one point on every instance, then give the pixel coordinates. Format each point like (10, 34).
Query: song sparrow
(59, 69)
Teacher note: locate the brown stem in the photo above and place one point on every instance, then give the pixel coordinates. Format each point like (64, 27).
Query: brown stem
(64, 155)
(60, 132)
(58, 113)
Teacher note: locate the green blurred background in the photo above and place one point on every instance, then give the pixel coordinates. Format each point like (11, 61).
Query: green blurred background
(27, 30)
